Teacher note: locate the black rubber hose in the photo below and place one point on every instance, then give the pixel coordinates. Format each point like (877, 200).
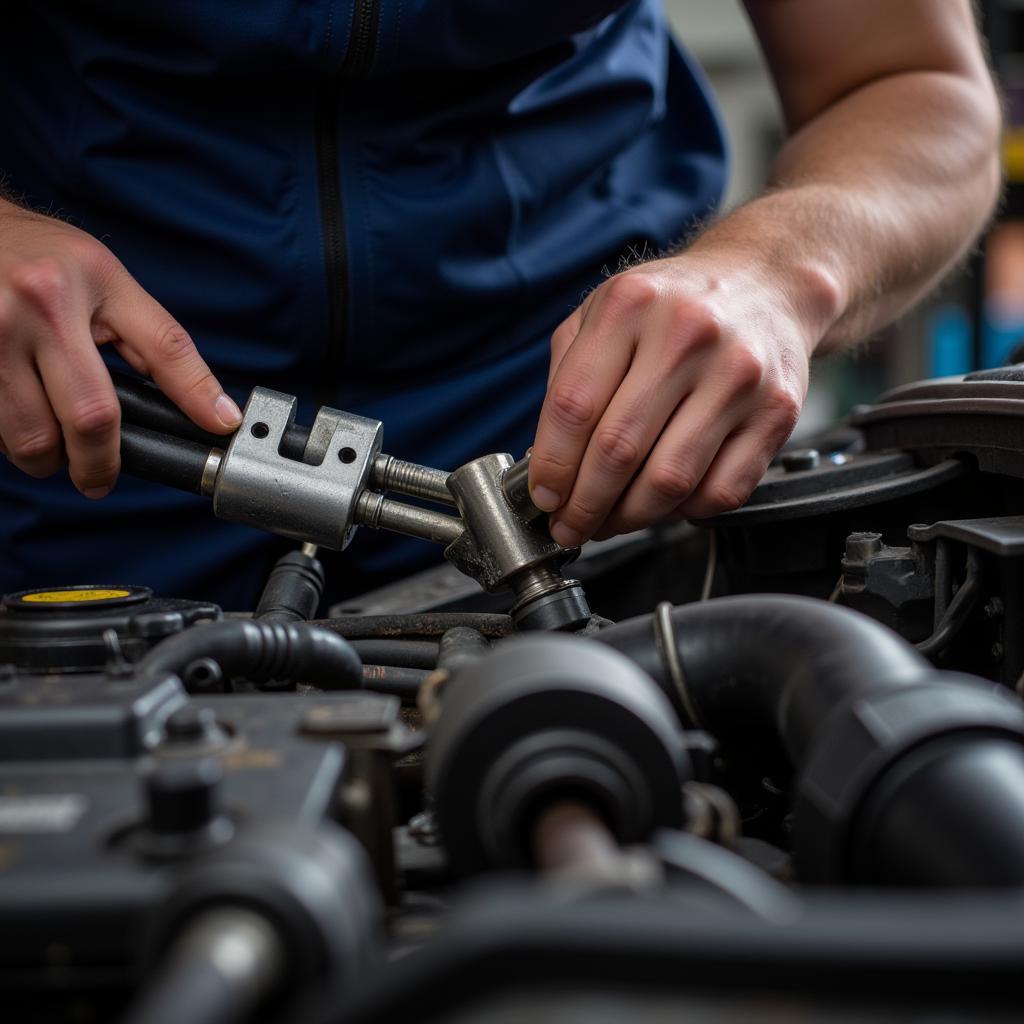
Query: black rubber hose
(766, 662)
(397, 653)
(908, 816)
(395, 681)
(293, 590)
(145, 405)
(261, 651)
(163, 458)
(894, 758)
(461, 647)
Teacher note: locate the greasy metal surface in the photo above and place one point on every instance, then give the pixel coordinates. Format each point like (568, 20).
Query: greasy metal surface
(498, 544)
(391, 474)
(569, 835)
(1001, 535)
(208, 484)
(422, 625)
(381, 513)
(515, 484)
(313, 500)
(443, 587)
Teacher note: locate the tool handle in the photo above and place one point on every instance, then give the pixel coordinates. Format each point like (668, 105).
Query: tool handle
(145, 405)
(163, 458)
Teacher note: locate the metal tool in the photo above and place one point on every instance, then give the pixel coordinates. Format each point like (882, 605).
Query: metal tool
(318, 484)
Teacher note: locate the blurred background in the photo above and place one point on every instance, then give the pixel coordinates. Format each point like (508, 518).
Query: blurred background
(976, 319)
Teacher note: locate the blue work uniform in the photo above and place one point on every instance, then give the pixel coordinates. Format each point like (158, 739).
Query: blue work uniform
(382, 205)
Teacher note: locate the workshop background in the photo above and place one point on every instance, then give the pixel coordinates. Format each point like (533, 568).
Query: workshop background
(976, 319)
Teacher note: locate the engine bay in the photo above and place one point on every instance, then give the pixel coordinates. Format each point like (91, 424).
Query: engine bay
(769, 765)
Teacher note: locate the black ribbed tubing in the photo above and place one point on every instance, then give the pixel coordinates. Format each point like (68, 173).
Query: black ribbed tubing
(262, 651)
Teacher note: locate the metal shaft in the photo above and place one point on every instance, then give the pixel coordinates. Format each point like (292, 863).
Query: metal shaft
(515, 484)
(381, 513)
(221, 968)
(569, 835)
(415, 481)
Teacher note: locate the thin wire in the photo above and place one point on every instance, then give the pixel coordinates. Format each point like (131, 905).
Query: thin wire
(957, 612)
(709, 572)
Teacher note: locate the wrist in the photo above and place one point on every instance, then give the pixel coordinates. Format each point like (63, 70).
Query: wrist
(769, 240)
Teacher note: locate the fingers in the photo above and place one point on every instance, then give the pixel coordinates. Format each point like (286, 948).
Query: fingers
(658, 407)
(727, 397)
(83, 400)
(565, 334)
(29, 432)
(673, 470)
(626, 432)
(62, 294)
(149, 336)
(681, 349)
(588, 375)
(743, 459)
(37, 301)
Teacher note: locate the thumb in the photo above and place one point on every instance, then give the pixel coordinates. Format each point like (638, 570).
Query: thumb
(143, 326)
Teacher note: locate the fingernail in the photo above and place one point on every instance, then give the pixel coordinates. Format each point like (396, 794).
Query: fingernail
(227, 412)
(95, 493)
(545, 499)
(565, 536)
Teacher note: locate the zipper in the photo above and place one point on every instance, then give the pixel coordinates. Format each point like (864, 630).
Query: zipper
(359, 58)
(357, 63)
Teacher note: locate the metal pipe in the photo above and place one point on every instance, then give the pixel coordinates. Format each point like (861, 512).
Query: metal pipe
(219, 971)
(381, 513)
(417, 625)
(208, 481)
(569, 835)
(956, 612)
(411, 479)
(515, 484)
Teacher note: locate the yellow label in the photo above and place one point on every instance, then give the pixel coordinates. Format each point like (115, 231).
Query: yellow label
(1013, 155)
(58, 596)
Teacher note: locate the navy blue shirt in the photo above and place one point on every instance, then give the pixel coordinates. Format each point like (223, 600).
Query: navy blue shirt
(386, 206)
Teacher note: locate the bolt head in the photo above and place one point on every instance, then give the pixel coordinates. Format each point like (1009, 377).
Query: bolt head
(800, 459)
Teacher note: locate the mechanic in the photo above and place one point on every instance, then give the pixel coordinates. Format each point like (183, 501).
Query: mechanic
(394, 207)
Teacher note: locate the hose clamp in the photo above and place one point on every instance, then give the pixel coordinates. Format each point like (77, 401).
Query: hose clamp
(665, 636)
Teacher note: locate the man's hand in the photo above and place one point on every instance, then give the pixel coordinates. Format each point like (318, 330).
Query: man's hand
(675, 382)
(671, 389)
(62, 294)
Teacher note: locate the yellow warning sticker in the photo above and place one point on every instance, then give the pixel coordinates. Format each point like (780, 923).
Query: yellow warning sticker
(59, 596)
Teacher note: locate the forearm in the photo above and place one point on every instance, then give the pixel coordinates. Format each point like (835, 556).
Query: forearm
(676, 381)
(883, 186)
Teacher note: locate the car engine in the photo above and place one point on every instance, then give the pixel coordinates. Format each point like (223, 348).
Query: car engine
(767, 766)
